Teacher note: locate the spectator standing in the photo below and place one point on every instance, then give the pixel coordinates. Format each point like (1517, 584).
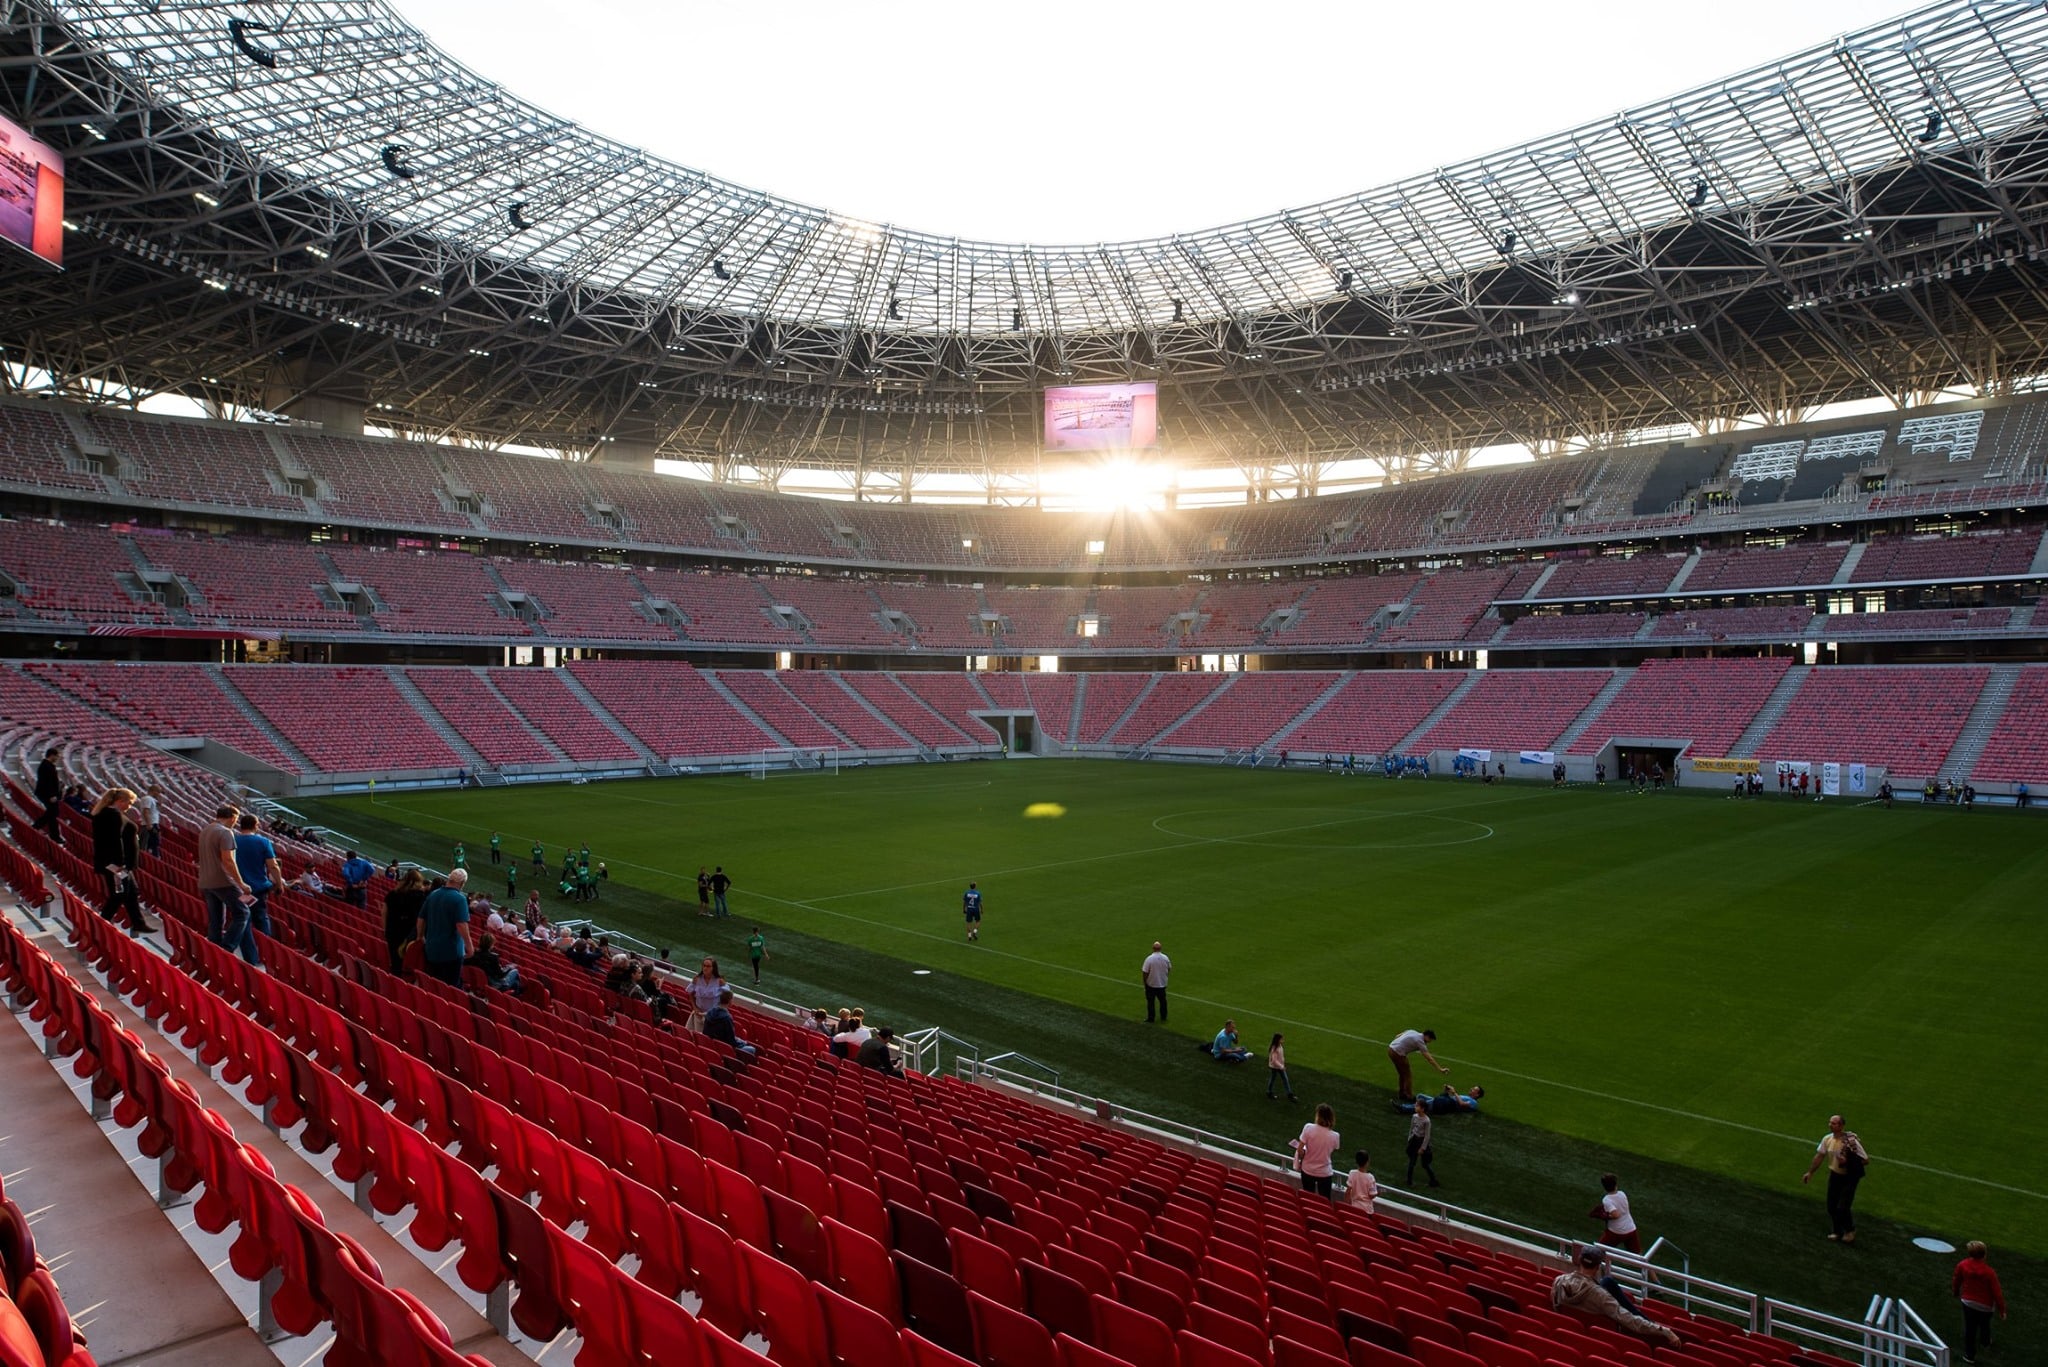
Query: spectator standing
(1847, 1160)
(220, 881)
(703, 891)
(497, 848)
(114, 855)
(1155, 971)
(540, 860)
(1612, 1210)
(443, 928)
(1313, 1149)
(757, 950)
(511, 881)
(1276, 1068)
(970, 910)
(256, 860)
(1401, 1047)
(1975, 1284)
(356, 873)
(1420, 1149)
(720, 885)
(704, 990)
(50, 792)
(402, 915)
(145, 814)
(461, 857)
(1361, 1188)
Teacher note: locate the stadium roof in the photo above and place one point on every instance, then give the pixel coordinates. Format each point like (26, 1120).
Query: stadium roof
(280, 198)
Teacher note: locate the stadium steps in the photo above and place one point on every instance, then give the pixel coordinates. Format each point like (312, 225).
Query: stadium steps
(1767, 716)
(1151, 682)
(259, 721)
(443, 728)
(1535, 590)
(732, 700)
(1991, 703)
(596, 709)
(1440, 711)
(141, 562)
(1278, 740)
(1073, 736)
(367, 621)
(1585, 720)
(1649, 625)
(540, 737)
(2039, 565)
(974, 680)
(1684, 573)
(1163, 737)
(877, 713)
(1849, 562)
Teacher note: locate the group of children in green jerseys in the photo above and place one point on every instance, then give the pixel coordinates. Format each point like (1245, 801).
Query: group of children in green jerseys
(578, 880)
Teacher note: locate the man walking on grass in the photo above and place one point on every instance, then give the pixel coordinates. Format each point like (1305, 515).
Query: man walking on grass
(970, 909)
(1155, 971)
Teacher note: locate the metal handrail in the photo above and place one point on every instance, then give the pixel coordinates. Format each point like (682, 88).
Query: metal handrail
(1013, 1057)
(916, 1042)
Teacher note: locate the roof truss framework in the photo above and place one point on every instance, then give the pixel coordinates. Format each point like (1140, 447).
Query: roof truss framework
(1863, 218)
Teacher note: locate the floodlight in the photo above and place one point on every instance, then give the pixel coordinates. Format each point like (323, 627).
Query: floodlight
(1933, 129)
(1507, 243)
(395, 162)
(718, 269)
(1699, 194)
(238, 33)
(516, 211)
(895, 309)
(1180, 310)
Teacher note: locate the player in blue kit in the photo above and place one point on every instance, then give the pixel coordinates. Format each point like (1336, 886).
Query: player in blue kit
(970, 907)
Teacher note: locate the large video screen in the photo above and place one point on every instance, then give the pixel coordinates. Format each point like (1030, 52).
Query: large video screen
(1102, 417)
(31, 193)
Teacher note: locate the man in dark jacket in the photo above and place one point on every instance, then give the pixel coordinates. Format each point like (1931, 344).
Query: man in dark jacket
(718, 1025)
(875, 1053)
(49, 792)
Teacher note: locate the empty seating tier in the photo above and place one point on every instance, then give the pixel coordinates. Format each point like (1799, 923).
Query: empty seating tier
(1516, 709)
(1905, 718)
(1707, 702)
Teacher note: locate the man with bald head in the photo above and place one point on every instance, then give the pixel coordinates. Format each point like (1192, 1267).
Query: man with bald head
(1154, 971)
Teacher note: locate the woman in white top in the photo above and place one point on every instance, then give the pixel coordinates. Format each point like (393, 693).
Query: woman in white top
(1361, 1188)
(1313, 1149)
(704, 990)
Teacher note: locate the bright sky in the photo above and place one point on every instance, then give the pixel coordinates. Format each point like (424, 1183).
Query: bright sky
(1069, 121)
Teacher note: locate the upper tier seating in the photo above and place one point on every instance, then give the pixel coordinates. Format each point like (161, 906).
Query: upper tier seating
(1717, 624)
(1612, 576)
(1339, 611)
(595, 602)
(541, 697)
(1709, 702)
(219, 465)
(245, 582)
(33, 447)
(1235, 614)
(1574, 627)
(840, 613)
(1915, 622)
(1135, 617)
(721, 607)
(1781, 567)
(345, 720)
(429, 595)
(1913, 559)
(946, 617)
(70, 573)
(2017, 749)
(1516, 709)
(670, 707)
(1904, 718)
(1252, 709)
(367, 480)
(1040, 619)
(479, 716)
(524, 494)
(1371, 713)
(1447, 605)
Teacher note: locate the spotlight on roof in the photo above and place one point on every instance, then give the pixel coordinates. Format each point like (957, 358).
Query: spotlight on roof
(1344, 280)
(238, 33)
(1507, 243)
(1699, 194)
(1933, 128)
(516, 211)
(895, 309)
(718, 269)
(1017, 320)
(1180, 311)
(395, 162)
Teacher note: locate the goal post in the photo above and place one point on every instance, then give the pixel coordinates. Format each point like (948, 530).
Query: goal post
(794, 759)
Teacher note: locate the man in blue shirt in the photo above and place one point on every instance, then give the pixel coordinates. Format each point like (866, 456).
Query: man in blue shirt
(256, 861)
(1225, 1046)
(444, 928)
(970, 907)
(356, 873)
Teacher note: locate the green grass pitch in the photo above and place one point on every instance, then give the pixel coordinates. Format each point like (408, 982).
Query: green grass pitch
(1678, 985)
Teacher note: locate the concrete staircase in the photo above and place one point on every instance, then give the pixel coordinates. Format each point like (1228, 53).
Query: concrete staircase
(1692, 562)
(1278, 739)
(877, 713)
(1983, 719)
(540, 737)
(1584, 721)
(1163, 737)
(410, 691)
(1073, 736)
(2039, 565)
(732, 700)
(1440, 711)
(1849, 562)
(260, 722)
(1109, 732)
(611, 723)
(1767, 716)
(1535, 590)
